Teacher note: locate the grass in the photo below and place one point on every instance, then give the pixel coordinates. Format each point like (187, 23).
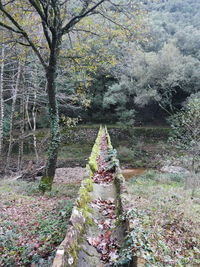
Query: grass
(75, 151)
(33, 225)
(164, 221)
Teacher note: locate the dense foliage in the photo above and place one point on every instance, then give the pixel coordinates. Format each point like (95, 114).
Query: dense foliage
(158, 72)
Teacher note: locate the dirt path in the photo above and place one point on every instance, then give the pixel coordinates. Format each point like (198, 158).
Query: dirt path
(101, 241)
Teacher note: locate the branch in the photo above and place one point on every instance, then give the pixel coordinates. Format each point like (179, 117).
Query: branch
(76, 19)
(22, 32)
(9, 28)
(111, 20)
(28, 45)
(43, 17)
(86, 31)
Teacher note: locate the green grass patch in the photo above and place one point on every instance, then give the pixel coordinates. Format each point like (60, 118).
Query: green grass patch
(75, 151)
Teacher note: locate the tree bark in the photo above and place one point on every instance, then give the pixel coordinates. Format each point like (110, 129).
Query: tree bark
(15, 92)
(1, 98)
(34, 114)
(51, 73)
(22, 124)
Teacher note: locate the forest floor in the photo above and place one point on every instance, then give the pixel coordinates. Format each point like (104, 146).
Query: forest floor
(165, 220)
(161, 210)
(33, 225)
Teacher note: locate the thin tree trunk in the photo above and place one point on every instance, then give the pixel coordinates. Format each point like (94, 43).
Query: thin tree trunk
(1, 98)
(22, 123)
(34, 114)
(15, 91)
(33, 127)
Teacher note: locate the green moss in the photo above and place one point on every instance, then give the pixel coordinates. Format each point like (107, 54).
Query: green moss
(108, 139)
(84, 197)
(93, 165)
(74, 253)
(46, 183)
(95, 151)
(89, 185)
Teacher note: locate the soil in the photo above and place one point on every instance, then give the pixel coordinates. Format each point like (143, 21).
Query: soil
(69, 175)
(26, 210)
(129, 173)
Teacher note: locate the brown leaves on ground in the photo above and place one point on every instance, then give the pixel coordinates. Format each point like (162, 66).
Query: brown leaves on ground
(29, 222)
(103, 177)
(106, 207)
(105, 245)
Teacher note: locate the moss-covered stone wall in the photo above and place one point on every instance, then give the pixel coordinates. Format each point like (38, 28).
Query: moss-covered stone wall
(67, 252)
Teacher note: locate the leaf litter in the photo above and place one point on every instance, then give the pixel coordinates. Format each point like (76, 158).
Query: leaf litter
(105, 243)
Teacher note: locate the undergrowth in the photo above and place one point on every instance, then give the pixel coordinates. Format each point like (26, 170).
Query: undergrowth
(164, 222)
(33, 225)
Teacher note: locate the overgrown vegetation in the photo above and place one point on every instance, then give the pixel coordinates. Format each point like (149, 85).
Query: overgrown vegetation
(185, 135)
(32, 226)
(164, 222)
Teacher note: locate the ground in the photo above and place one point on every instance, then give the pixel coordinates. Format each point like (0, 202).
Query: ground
(162, 211)
(165, 221)
(33, 225)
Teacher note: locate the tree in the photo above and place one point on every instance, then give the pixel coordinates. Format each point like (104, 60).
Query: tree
(166, 78)
(2, 97)
(185, 134)
(54, 20)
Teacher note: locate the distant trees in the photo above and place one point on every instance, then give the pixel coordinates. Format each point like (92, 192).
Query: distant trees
(108, 57)
(163, 68)
(160, 77)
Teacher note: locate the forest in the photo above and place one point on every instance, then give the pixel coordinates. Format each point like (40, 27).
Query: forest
(99, 133)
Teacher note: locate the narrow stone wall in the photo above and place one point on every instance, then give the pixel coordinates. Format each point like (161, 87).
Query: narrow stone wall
(67, 252)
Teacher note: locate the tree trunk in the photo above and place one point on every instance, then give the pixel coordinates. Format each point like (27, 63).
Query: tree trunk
(22, 124)
(1, 98)
(15, 92)
(34, 114)
(47, 180)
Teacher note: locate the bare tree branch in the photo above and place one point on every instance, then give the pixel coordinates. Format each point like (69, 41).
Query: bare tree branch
(76, 19)
(9, 28)
(44, 19)
(20, 31)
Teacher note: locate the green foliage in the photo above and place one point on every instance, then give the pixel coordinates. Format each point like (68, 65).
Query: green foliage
(118, 96)
(154, 177)
(49, 228)
(112, 159)
(185, 134)
(186, 126)
(160, 211)
(125, 154)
